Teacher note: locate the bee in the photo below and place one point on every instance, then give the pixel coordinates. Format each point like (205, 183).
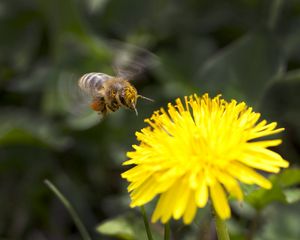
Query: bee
(109, 93)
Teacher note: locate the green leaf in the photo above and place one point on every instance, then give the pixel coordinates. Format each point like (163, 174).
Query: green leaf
(127, 227)
(260, 198)
(292, 195)
(280, 222)
(23, 127)
(20, 40)
(118, 228)
(288, 177)
(243, 69)
(281, 99)
(281, 103)
(174, 76)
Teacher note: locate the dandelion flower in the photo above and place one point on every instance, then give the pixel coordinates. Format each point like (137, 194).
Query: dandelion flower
(199, 150)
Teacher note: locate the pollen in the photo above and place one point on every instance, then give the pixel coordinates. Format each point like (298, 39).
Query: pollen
(97, 105)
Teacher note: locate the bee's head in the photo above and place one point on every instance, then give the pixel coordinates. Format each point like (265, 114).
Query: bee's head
(128, 97)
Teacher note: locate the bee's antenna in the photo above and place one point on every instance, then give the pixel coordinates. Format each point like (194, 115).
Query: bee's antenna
(149, 99)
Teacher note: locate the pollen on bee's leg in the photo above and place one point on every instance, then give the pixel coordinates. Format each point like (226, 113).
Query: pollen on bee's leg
(97, 105)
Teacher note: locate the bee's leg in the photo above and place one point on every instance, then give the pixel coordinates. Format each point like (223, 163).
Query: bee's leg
(112, 107)
(112, 103)
(103, 112)
(115, 105)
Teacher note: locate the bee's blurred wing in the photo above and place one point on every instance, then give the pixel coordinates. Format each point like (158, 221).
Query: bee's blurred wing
(76, 102)
(130, 60)
(74, 99)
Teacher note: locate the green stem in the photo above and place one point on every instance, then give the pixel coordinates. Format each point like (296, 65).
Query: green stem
(84, 233)
(167, 231)
(275, 9)
(149, 235)
(220, 227)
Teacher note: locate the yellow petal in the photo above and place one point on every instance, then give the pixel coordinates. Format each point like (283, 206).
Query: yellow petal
(165, 205)
(201, 193)
(247, 175)
(219, 200)
(190, 211)
(231, 185)
(181, 199)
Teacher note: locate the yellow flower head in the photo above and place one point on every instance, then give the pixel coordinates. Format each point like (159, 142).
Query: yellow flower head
(200, 150)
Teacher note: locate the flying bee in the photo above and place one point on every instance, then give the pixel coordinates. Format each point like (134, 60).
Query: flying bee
(109, 93)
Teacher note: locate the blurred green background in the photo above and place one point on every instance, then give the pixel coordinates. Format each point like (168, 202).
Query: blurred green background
(245, 49)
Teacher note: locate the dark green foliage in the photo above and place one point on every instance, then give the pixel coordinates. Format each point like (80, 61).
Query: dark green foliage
(284, 190)
(245, 49)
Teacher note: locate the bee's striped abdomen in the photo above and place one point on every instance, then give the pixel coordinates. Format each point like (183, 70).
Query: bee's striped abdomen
(91, 82)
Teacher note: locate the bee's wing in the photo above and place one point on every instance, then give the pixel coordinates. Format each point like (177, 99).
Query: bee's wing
(130, 60)
(74, 98)
(76, 102)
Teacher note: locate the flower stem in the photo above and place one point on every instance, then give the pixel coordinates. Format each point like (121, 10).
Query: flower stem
(275, 10)
(167, 231)
(81, 228)
(220, 227)
(149, 235)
